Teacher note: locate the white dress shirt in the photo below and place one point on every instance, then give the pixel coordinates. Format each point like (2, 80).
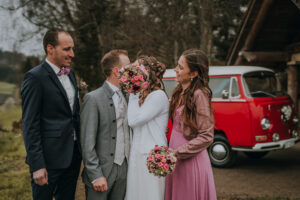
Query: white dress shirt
(67, 85)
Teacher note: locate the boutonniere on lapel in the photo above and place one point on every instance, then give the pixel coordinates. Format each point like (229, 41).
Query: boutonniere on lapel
(82, 85)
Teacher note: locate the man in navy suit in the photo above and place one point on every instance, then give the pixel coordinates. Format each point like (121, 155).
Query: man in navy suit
(51, 121)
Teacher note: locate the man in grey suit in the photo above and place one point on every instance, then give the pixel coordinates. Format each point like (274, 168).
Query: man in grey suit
(105, 134)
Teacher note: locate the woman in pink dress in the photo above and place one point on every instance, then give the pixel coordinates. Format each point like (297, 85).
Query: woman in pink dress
(193, 130)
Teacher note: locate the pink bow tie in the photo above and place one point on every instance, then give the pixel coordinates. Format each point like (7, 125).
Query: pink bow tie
(64, 70)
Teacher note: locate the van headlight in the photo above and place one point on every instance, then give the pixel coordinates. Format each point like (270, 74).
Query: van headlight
(295, 119)
(295, 133)
(265, 124)
(286, 113)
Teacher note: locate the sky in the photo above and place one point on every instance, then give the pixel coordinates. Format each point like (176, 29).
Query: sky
(15, 32)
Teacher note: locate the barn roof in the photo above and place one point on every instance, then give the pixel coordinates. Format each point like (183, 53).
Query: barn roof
(269, 32)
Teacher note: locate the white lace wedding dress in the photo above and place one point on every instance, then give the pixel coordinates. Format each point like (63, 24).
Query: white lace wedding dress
(148, 123)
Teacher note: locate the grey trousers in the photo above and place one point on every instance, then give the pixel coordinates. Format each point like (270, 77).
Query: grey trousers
(116, 185)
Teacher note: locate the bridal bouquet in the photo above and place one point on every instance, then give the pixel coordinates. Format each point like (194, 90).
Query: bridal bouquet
(161, 161)
(133, 78)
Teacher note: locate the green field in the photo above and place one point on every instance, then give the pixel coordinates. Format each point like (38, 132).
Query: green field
(6, 88)
(14, 173)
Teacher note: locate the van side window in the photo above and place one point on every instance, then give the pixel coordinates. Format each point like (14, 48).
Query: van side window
(218, 85)
(235, 92)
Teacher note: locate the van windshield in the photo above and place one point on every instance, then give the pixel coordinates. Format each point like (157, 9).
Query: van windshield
(261, 84)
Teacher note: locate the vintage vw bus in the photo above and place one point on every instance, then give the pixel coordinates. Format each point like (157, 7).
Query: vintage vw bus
(252, 114)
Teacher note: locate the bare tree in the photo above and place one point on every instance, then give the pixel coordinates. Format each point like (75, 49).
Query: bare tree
(163, 29)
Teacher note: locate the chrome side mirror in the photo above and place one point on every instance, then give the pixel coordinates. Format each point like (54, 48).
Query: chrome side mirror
(225, 94)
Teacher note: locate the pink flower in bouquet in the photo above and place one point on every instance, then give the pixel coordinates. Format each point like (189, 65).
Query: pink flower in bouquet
(157, 156)
(162, 156)
(164, 160)
(141, 77)
(166, 167)
(150, 158)
(124, 79)
(160, 164)
(136, 78)
(145, 85)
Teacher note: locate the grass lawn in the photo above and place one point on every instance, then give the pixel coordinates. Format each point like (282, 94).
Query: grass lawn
(14, 173)
(6, 88)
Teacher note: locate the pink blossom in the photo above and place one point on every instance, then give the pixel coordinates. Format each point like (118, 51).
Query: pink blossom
(157, 156)
(136, 78)
(150, 158)
(160, 164)
(156, 147)
(152, 166)
(141, 77)
(162, 157)
(137, 83)
(124, 79)
(145, 85)
(166, 167)
(164, 160)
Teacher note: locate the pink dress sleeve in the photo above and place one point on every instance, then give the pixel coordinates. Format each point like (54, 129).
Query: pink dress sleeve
(205, 132)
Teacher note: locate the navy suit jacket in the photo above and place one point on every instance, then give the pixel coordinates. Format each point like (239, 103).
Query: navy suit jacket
(47, 119)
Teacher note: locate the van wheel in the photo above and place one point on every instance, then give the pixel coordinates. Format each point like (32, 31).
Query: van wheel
(220, 152)
(256, 155)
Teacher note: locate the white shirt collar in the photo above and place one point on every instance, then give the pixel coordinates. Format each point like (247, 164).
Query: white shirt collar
(113, 87)
(54, 67)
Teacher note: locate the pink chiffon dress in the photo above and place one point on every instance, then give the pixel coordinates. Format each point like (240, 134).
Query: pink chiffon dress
(192, 178)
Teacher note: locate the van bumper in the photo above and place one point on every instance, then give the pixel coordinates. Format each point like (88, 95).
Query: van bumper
(269, 146)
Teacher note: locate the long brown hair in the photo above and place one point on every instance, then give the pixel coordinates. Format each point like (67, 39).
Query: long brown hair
(197, 62)
(156, 71)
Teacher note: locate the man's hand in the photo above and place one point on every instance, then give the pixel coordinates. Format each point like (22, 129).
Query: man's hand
(40, 177)
(100, 184)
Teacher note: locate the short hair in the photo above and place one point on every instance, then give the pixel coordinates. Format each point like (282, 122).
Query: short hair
(111, 59)
(51, 37)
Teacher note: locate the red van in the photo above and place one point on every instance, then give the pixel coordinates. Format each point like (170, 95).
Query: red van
(252, 114)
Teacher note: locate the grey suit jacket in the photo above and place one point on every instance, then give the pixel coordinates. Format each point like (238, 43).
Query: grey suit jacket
(98, 133)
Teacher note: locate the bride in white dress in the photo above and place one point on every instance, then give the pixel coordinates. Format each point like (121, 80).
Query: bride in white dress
(148, 118)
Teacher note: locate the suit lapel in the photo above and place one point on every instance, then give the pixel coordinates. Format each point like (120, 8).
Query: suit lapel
(109, 93)
(54, 78)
